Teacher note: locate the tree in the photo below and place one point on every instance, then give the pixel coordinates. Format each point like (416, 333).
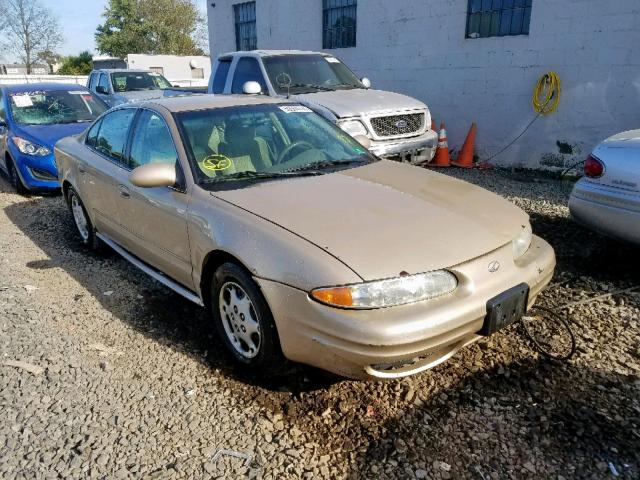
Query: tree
(28, 29)
(81, 64)
(50, 58)
(149, 26)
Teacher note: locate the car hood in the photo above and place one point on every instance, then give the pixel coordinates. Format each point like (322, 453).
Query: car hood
(385, 218)
(48, 135)
(356, 102)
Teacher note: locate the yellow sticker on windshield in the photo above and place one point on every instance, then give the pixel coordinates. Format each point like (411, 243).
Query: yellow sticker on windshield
(216, 162)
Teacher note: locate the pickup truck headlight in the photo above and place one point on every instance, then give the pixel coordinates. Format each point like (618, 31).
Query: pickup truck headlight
(388, 293)
(522, 242)
(30, 148)
(353, 127)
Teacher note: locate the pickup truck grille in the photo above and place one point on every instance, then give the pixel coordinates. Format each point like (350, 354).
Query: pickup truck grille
(397, 125)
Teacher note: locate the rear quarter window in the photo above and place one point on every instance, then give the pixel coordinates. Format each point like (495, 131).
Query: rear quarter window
(220, 78)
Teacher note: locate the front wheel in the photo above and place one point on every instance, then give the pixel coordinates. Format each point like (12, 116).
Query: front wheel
(243, 320)
(15, 179)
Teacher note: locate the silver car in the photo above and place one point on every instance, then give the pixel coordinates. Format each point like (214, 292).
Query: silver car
(607, 198)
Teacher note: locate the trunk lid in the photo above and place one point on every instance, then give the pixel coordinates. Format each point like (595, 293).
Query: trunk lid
(621, 157)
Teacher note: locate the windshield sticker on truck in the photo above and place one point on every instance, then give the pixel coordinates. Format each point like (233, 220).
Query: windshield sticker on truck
(216, 162)
(332, 59)
(22, 101)
(294, 109)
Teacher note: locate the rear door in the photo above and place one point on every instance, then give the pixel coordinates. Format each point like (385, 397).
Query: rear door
(155, 218)
(103, 168)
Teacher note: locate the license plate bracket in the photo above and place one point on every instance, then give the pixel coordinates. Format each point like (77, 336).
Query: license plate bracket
(505, 309)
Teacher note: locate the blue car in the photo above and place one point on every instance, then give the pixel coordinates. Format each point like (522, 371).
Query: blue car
(33, 117)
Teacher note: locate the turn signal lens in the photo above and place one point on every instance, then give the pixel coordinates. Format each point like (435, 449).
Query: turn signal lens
(593, 167)
(390, 292)
(340, 296)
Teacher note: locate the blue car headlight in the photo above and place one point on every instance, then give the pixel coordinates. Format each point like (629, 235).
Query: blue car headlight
(30, 148)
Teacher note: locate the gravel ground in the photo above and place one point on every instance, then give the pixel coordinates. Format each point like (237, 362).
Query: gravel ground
(131, 381)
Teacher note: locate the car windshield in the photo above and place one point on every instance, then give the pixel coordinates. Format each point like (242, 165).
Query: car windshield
(55, 106)
(137, 81)
(308, 73)
(265, 141)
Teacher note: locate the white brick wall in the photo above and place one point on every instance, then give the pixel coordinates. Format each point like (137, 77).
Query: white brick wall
(418, 47)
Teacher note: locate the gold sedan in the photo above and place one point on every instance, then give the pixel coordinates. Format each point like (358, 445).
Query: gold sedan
(300, 243)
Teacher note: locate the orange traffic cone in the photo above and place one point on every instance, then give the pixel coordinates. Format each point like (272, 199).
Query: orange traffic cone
(434, 125)
(441, 159)
(465, 157)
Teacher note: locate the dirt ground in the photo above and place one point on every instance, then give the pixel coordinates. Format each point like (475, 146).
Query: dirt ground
(133, 383)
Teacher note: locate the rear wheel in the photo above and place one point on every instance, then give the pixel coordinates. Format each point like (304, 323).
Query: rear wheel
(82, 220)
(15, 179)
(243, 320)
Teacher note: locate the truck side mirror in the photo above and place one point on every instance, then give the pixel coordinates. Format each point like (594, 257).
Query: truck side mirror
(251, 88)
(102, 90)
(366, 82)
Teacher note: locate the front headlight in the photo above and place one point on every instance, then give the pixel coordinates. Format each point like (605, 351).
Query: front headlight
(353, 127)
(387, 293)
(29, 148)
(522, 242)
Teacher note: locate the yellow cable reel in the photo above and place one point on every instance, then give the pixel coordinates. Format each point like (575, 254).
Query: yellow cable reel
(546, 95)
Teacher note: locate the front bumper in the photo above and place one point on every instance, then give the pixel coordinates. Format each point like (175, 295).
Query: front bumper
(612, 211)
(422, 147)
(404, 340)
(37, 173)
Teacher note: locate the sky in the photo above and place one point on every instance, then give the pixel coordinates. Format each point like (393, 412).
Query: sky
(78, 21)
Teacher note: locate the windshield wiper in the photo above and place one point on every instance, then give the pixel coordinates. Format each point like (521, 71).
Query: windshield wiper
(250, 175)
(315, 166)
(312, 85)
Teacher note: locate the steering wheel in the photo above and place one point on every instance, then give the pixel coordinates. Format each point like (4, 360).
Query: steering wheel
(290, 148)
(283, 80)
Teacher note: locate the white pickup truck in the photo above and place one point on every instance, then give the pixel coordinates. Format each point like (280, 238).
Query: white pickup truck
(397, 126)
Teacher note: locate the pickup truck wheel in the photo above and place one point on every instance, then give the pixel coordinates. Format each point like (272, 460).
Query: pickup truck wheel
(243, 320)
(15, 179)
(82, 221)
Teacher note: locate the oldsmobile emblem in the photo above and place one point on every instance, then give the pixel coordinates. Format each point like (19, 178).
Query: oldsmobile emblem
(494, 266)
(401, 124)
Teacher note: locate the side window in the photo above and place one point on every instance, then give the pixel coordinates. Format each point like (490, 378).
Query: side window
(92, 134)
(112, 137)
(220, 78)
(2, 115)
(152, 142)
(247, 70)
(104, 81)
(91, 85)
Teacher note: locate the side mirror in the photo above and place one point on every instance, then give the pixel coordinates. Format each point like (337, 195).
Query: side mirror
(154, 175)
(366, 82)
(102, 90)
(364, 141)
(251, 88)
(3, 123)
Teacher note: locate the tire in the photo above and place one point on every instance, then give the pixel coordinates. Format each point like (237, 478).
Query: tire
(235, 320)
(81, 220)
(14, 178)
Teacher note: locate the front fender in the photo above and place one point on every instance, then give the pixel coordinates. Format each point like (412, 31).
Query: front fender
(266, 249)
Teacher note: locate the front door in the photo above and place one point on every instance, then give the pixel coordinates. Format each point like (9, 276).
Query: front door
(155, 218)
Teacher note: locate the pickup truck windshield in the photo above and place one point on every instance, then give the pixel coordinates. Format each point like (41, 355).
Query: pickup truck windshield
(308, 73)
(137, 81)
(54, 107)
(265, 141)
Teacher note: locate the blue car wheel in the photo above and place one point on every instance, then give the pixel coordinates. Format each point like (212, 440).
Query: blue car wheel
(15, 179)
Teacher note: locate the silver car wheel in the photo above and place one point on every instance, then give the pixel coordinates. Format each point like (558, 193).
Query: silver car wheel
(79, 218)
(240, 320)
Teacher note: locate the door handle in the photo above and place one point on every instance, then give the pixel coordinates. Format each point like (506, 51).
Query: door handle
(124, 191)
(81, 170)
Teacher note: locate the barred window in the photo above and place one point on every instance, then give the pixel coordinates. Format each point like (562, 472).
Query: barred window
(498, 18)
(339, 23)
(245, 18)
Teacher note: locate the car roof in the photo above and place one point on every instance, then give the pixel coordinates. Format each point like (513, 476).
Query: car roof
(43, 86)
(185, 103)
(269, 53)
(121, 70)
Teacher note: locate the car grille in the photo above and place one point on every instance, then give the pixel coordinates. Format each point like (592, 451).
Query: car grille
(397, 125)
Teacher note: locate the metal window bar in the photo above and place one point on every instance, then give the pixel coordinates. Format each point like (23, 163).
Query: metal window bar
(339, 23)
(245, 20)
(498, 18)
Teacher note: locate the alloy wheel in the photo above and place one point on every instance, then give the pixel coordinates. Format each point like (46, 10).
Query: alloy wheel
(80, 218)
(240, 320)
